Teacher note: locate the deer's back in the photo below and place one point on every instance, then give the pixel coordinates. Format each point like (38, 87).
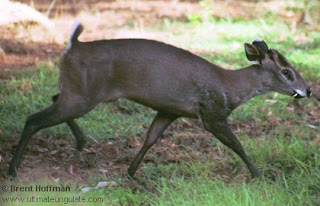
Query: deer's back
(152, 73)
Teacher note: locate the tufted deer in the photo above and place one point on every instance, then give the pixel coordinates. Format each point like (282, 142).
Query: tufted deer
(172, 81)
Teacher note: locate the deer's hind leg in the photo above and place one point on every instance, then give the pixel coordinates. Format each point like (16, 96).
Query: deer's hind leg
(75, 129)
(59, 112)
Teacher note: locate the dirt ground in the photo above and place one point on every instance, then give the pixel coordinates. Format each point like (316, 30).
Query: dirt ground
(55, 158)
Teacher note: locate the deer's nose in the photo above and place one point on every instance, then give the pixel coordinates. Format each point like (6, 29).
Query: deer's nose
(308, 91)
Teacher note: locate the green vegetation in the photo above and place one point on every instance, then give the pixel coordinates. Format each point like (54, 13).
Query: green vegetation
(286, 155)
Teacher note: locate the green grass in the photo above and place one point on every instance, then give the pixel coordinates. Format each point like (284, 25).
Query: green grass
(288, 158)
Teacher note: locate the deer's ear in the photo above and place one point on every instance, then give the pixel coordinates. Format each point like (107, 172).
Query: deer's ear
(260, 45)
(252, 53)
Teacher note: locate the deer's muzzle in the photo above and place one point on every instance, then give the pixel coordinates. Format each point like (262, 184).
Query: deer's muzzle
(297, 93)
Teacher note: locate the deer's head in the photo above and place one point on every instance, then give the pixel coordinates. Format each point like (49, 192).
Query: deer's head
(283, 77)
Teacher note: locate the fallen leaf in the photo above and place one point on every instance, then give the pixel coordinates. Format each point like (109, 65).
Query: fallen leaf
(271, 101)
(105, 184)
(101, 184)
(275, 119)
(316, 140)
(86, 189)
(55, 179)
(42, 150)
(186, 122)
(276, 170)
(54, 152)
(71, 169)
(312, 126)
(104, 170)
(89, 150)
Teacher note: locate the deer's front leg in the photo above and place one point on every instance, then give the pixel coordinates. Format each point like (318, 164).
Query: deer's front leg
(158, 126)
(222, 132)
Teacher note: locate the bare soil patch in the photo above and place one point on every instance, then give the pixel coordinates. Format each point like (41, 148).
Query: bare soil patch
(25, 55)
(56, 159)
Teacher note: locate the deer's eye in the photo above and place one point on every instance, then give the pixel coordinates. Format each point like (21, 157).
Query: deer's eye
(287, 73)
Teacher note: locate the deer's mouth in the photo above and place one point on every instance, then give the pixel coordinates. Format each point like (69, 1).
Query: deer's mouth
(298, 94)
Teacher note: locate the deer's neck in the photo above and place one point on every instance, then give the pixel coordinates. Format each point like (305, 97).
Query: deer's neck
(246, 83)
